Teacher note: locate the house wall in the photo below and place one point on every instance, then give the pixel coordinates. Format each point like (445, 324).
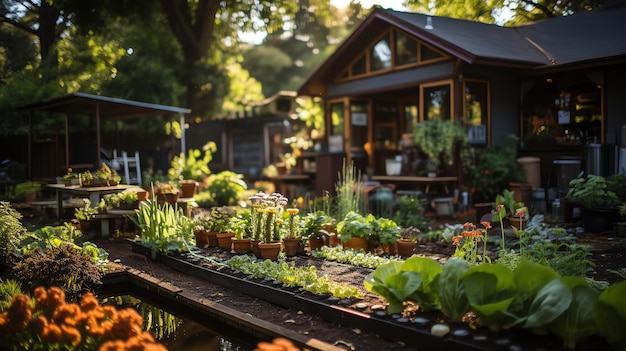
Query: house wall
(615, 112)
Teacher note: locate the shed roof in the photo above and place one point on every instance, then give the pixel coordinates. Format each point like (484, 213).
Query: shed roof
(107, 107)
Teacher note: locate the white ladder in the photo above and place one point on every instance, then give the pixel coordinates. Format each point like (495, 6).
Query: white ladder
(132, 168)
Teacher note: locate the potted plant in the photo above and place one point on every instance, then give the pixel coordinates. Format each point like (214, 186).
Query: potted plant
(219, 223)
(354, 231)
(241, 225)
(71, 178)
(598, 200)
(292, 241)
(406, 243)
(315, 229)
(514, 211)
(85, 215)
(441, 141)
(268, 223)
(27, 190)
(385, 233)
(202, 224)
(167, 192)
(621, 226)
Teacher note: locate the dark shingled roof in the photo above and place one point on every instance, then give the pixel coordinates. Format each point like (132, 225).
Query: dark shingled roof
(592, 37)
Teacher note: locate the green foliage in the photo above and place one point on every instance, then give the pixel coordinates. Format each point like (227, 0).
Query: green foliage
(408, 212)
(493, 169)
(610, 315)
(594, 192)
(86, 212)
(8, 289)
(349, 191)
(511, 207)
(163, 227)
(226, 188)
(452, 298)
(241, 223)
(292, 276)
(194, 166)
(354, 225)
(440, 140)
(314, 225)
(11, 232)
(354, 258)
(24, 188)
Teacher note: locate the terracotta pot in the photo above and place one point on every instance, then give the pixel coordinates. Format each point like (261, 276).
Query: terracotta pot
(356, 244)
(202, 237)
(521, 192)
(517, 222)
(269, 251)
(315, 243)
(212, 239)
(290, 246)
(405, 248)
(85, 226)
(188, 188)
(224, 240)
(171, 198)
(30, 197)
(241, 246)
(482, 208)
(142, 195)
(254, 246)
(333, 240)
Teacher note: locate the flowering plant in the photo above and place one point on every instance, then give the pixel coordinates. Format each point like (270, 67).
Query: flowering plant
(51, 323)
(467, 243)
(266, 215)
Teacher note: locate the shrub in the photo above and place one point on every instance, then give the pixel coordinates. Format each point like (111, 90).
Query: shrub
(11, 232)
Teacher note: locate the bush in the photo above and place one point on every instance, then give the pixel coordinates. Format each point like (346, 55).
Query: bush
(11, 232)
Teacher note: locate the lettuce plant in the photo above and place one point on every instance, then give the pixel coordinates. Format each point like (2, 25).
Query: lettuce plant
(610, 315)
(451, 291)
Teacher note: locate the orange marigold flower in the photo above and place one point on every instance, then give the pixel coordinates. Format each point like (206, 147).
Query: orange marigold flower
(456, 240)
(115, 345)
(469, 225)
(67, 314)
(486, 224)
(39, 324)
(89, 302)
(71, 334)
(19, 313)
(52, 333)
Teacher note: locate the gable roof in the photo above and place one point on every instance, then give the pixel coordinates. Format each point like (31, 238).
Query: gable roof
(580, 38)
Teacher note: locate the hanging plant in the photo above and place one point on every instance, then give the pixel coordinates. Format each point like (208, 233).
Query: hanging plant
(440, 140)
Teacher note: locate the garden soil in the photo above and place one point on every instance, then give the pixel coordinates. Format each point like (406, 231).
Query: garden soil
(608, 253)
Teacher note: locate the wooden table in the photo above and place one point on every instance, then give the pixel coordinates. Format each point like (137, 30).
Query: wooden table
(418, 182)
(284, 183)
(93, 193)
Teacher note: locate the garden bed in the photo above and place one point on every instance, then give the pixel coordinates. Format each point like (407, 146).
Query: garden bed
(365, 315)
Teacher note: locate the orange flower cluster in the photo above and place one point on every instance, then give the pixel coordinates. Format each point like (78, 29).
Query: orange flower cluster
(468, 250)
(278, 344)
(53, 321)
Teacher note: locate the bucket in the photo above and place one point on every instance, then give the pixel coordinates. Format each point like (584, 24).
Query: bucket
(393, 166)
(444, 206)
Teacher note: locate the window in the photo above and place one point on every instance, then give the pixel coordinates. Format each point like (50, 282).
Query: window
(476, 110)
(436, 100)
(392, 50)
(380, 56)
(406, 49)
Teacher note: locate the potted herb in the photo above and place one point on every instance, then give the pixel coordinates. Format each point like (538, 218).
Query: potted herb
(598, 200)
(315, 229)
(241, 225)
(167, 192)
(354, 231)
(385, 233)
(507, 206)
(71, 178)
(219, 223)
(85, 215)
(27, 190)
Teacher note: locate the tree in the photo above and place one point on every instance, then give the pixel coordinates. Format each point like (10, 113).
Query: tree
(488, 11)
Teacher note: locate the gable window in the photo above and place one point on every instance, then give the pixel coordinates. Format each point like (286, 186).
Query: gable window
(393, 50)
(380, 56)
(406, 49)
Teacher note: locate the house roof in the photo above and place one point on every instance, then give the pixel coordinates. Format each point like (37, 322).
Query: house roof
(580, 38)
(106, 107)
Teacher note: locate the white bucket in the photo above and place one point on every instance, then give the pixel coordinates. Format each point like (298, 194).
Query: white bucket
(393, 167)
(444, 206)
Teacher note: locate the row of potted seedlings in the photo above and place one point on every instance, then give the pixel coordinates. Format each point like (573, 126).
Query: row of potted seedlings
(268, 228)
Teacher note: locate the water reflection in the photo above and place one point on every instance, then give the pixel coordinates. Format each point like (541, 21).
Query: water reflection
(177, 333)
